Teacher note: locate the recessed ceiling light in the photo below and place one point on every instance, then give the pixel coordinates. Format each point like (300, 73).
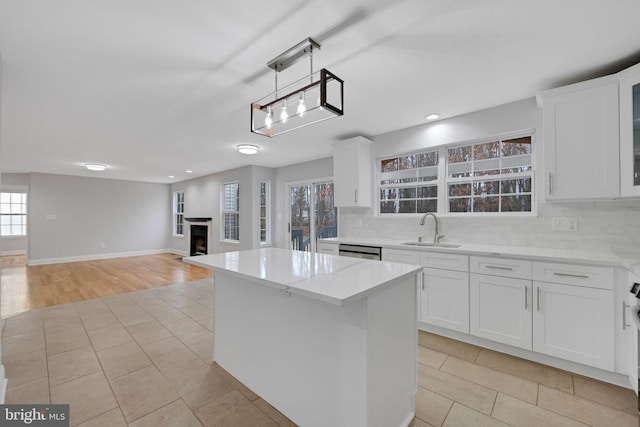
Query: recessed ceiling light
(171, 176)
(433, 116)
(95, 167)
(247, 148)
(189, 171)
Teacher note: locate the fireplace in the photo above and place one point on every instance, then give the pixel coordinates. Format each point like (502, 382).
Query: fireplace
(198, 235)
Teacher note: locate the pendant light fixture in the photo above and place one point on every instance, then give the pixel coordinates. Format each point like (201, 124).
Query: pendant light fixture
(323, 86)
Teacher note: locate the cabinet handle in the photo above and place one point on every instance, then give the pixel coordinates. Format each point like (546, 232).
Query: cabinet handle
(355, 196)
(624, 315)
(526, 297)
(498, 267)
(423, 280)
(538, 295)
(550, 183)
(579, 276)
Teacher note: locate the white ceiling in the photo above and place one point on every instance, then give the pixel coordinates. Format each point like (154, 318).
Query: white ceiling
(152, 88)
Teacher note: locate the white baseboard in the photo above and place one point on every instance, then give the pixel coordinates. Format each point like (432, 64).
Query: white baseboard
(178, 252)
(18, 252)
(97, 257)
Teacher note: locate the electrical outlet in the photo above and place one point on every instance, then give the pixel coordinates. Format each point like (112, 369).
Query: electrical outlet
(565, 223)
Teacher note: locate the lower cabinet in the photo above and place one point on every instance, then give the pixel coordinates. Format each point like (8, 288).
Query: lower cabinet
(570, 319)
(444, 299)
(574, 323)
(500, 309)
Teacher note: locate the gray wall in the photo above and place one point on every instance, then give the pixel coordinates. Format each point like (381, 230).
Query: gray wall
(608, 225)
(13, 245)
(95, 217)
(202, 198)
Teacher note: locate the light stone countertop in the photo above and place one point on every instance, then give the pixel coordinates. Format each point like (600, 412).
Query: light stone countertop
(330, 278)
(594, 258)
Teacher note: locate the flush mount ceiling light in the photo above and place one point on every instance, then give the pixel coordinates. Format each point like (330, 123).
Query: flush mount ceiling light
(312, 99)
(95, 167)
(433, 116)
(247, 149)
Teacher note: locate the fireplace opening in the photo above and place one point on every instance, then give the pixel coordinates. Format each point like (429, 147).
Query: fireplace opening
(199, 240)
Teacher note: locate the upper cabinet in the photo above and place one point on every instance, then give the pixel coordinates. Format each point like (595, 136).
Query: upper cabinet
(352, 172)
(581, 140)
(630, 131)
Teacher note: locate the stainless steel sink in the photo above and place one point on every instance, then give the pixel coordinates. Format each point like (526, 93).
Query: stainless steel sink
(431, 244)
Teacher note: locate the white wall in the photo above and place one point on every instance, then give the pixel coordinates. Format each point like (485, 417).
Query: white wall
(14, 245)
(82, 218)
(322, 168)
(602, 225)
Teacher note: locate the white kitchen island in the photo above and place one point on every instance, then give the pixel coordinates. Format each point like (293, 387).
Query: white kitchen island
(327, 340)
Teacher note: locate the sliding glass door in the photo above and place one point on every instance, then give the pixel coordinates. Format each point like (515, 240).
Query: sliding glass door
(313, 215)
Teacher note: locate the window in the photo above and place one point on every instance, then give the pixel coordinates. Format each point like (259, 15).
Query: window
(491, 176)
(494, 176)
(178, 213)
(409, 184)
(13, 214)
(264, 212)
(231, 212)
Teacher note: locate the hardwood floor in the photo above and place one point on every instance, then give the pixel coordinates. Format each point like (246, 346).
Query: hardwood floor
(25, 287)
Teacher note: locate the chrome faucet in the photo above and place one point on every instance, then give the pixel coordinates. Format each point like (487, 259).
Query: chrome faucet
(436, 236)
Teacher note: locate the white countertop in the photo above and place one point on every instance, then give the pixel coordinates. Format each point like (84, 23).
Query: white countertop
(330, 278)
(540, 254)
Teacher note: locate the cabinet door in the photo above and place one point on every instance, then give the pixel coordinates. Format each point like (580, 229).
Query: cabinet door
(574, 323)
(630, 132)
(500, 309)
(444, 299)
(352, 172)
(581, 141)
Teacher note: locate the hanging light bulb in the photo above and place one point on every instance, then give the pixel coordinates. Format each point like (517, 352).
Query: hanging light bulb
(284, 114)
(268, 120)
(301, 106)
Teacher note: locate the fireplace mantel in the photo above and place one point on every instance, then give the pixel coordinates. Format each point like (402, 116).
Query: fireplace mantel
(198, 219)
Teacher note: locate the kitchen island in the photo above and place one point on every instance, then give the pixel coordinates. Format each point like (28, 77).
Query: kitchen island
(327, 340)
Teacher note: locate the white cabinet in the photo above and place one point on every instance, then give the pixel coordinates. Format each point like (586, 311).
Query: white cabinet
(352, 172)
(574, 323)
(630, 131)
(562, 310)
(581, 140)
(327, 248)
(500, 300)
(573, 317)
(500, 309)
(444, 295)
(401, 256)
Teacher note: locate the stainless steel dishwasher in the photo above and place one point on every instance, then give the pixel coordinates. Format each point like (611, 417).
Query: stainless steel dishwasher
(359, 251)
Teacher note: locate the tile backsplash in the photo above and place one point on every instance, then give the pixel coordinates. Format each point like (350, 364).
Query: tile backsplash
(611, 226)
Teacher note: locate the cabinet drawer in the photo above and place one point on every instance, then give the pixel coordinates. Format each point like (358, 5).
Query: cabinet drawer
(398, 255)
(572, 274)
(328, 248)
(504, 267)
(444, 261)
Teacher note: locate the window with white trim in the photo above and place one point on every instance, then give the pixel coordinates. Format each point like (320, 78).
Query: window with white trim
(482, 177)
(178, 213)
(264, 202)
(495, 176)
(231, 211)
(409, 183)
(13, 214)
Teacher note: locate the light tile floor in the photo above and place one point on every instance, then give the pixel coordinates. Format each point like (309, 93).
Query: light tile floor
(144, 359)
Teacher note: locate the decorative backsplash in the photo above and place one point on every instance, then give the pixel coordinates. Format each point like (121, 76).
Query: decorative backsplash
(612, 226)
